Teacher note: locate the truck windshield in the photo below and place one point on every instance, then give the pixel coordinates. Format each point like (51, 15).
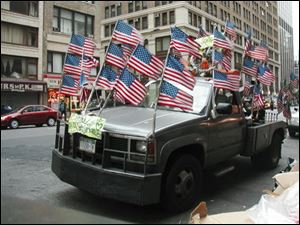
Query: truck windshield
(201, 94)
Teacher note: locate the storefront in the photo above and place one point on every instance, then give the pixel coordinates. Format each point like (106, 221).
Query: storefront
(17, 92)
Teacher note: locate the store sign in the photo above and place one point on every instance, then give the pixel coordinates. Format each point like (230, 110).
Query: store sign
(53, 83)
(21, 87)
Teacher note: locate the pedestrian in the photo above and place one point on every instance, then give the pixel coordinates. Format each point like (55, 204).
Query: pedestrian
(62, 108)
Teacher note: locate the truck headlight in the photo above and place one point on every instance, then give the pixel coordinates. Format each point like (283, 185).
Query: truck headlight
(141, 146)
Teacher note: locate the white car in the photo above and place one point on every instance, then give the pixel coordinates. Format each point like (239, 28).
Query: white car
(293, 123)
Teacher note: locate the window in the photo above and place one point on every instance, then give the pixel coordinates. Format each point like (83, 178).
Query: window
(70, 22)
(66, 21)
(137, 23)
(164, 18)
(130, 7)
(17, 34)
(55, 62)
(29, 8)
(157, 19)
(106, 13)
(144, 4)
(172, 17)
(162, 46)
(119, 9)
(106, 31)
(113, 11)
(79, 24)
(145, 23)
(19, 67)
(137, 5)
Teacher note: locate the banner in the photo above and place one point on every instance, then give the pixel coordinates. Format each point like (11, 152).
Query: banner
(91, 126)
(205, 42)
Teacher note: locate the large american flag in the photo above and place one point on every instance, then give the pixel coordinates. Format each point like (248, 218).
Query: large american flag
(265, 76)
(220, 40)
(73, 66)
(224, 60)
(174, 97)
(80, 44)
(107, 78)
(249, 67)
(230, 29)
(145, 63)
(69, 86)
(227, 80)
(258, 101)
(90, 62)
(259, 52)
(294, 81)
(183, 42)
(176, 72)
(130, 88)
(126, 34)
(247, 44)
(115, 56)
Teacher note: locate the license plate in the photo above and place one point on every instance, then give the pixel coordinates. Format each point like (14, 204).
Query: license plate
(87, 145)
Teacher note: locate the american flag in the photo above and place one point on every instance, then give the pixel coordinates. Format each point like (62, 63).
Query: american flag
(127, 50)
(84, 95)
(130, 88)
(145, 63)
(284, 97)
(259, 52)
(280, 101)
(126, 34)
(249, 67)
(227, 80)
(107, 78)
(118, 97)
(115, 56)
(247, 44)
(202, 32)
(69, 86)
(247, 85)
(176, 72)
(230, 29)
(220, 40)
(80, 44)
(224, 60)
(287, 111)
(176, 53)
(90, 62)
(227, 59)
(73, 66)
(258, 101)
(265, 76)
(294, 81)
(174, 97)
(183, 42)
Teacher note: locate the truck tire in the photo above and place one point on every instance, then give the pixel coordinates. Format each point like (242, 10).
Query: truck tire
(292, 133)
(182, 183)
(269, 158)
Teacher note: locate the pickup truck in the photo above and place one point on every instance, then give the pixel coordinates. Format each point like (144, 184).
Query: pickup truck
(137, 164)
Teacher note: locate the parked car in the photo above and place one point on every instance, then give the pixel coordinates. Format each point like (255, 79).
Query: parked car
(293, 123)
(29, 115)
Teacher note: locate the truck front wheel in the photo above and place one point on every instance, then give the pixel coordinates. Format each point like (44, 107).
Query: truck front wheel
(182, 184)
(269, 158)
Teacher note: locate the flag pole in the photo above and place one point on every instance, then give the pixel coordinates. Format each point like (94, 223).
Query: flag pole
(98, 75)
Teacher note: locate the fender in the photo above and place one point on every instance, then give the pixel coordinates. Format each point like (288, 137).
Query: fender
(178, 143)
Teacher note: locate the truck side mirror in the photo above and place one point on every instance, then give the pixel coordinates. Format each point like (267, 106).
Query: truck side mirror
(224, 108)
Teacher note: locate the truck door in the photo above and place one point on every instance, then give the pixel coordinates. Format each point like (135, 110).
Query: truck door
(227, 131)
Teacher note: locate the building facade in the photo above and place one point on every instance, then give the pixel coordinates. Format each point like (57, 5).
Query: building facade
(154, 18)
(286, 40)
(21, 53)
(42, 31)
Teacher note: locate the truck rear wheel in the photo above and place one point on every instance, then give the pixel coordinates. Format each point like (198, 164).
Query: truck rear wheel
(181, 187)
(269, 158)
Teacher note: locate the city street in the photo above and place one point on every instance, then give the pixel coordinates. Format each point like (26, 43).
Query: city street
(31, 193)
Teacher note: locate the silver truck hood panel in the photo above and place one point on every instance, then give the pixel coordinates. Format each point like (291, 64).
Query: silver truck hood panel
(135, 121)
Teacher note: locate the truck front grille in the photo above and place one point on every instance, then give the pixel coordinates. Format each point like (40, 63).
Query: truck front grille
(119, 144)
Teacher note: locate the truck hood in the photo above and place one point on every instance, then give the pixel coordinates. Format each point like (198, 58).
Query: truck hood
(136, 121)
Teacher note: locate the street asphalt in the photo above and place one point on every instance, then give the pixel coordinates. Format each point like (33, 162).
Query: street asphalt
(31, 193)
